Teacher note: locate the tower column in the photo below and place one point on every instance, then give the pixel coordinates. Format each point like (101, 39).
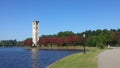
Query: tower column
(35, 33)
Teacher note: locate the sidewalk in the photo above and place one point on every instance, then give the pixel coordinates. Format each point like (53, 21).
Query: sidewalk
(109, 58)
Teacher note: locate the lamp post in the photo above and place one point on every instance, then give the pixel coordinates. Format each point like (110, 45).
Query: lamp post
(84, 43)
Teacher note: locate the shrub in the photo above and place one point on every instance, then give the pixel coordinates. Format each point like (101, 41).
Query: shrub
(100, 45)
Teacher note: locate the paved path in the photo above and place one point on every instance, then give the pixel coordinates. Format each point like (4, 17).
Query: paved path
(109, 58)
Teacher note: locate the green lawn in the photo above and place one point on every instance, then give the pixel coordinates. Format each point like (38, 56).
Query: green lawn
(80, 60)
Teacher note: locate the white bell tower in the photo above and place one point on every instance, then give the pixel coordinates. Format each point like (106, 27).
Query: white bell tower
(35, 33)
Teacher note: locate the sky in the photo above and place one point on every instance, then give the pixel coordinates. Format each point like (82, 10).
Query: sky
(16, 16)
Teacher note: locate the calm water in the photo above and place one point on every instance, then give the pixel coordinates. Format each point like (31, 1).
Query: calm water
(22, 58)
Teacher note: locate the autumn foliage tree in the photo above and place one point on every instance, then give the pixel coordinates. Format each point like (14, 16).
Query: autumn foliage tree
(28, 42)
(61, 41)
(52, 40)
(44, 41)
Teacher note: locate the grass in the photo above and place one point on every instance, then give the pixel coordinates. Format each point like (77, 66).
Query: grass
(79, 60)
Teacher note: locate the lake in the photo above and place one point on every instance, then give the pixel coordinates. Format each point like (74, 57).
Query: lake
(23, 58)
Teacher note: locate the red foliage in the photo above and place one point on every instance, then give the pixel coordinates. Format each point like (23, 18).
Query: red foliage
(44, 41)
(52, 40)
(60, 41)
(70, 40)
(76, 40)
(28, 42)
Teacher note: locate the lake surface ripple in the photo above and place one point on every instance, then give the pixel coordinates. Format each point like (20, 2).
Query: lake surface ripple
(23, 58)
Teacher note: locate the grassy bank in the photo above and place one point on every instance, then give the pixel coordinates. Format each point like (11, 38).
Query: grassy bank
(79, 60)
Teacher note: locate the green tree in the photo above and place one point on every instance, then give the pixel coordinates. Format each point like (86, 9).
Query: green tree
(92, 41)
(65, 34)
(116, 37)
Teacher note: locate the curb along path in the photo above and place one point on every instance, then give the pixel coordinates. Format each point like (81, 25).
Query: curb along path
(109, 58)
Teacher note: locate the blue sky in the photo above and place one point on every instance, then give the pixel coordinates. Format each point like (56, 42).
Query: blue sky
(16, 16)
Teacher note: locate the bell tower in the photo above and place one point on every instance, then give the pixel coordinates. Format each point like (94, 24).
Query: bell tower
(35, 33)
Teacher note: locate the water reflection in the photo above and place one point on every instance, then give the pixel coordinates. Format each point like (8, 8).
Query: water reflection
(35, 58)
(23, 58)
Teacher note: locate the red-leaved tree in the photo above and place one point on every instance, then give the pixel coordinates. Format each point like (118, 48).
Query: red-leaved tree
(28, 42)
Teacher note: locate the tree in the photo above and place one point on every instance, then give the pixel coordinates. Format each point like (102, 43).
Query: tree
(69, 40)
(60, 41)
(8, 43)
(92, 41)
(52, 40)
(74, 40)
(100, 45)
(28, 42)
(116, 37)
(65, 34)
(44, 41)
(19, 43)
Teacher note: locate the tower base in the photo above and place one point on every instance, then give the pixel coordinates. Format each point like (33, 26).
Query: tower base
(34, 45)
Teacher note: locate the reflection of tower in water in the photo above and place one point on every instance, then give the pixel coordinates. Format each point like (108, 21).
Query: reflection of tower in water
(35, 58)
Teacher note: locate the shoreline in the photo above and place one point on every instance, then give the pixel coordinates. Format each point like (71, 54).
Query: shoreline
(55, 48)
(49, 66)
(58, 61)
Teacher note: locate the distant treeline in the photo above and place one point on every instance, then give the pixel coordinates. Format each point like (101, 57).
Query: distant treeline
(93, 38)
(10, 43)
